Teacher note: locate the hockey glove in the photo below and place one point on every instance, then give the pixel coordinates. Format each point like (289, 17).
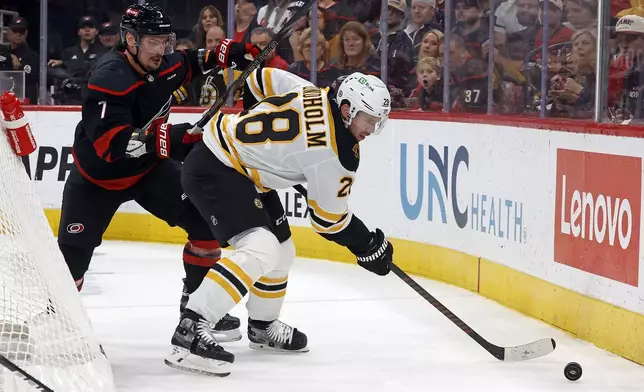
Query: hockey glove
(378, 256)
(231, 54)
(168, 141)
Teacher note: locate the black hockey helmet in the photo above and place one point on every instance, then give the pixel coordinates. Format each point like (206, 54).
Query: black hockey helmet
(145, 19)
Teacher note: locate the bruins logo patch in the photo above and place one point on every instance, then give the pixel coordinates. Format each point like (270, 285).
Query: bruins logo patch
(356, 150)
(258, 203)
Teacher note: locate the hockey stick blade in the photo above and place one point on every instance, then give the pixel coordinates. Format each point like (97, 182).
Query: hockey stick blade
(523, 352)
(304, 7)
(24, 375)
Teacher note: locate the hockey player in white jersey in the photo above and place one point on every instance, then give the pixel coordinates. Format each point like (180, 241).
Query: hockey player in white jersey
(294, 133)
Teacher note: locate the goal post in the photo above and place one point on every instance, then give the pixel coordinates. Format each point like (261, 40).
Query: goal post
(44, 328)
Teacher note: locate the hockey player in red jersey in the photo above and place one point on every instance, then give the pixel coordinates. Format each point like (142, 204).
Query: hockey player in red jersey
(124, 149)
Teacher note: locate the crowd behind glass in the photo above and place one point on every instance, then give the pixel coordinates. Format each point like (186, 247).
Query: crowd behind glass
(474, 56)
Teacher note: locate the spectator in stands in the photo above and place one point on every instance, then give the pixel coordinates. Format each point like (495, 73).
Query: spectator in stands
(468, 78)
(261, 37)
(631, 105)
(245, 12)
(338, 14)
(108, 34)
(214, 37)
(432, 45)
(274, 14)
(326, 75)
(401, 79)
(581, 14)
(509, 56)
(78, 60)
(304, 23)
(573, 93)
(397, 39)
(559, 33)
(364, 11)
(517, 15)
(356, 51)
(22, 57)
(209, 17)
(428, 94)
(184, 44)
(422, 20)
(471, 25)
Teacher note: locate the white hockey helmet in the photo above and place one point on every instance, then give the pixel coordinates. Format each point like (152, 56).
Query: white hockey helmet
(365, 93)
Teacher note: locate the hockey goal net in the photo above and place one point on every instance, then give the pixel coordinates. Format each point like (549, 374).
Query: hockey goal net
(43, 326)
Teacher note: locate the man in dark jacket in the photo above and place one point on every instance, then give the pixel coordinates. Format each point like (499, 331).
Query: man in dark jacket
(23, 58)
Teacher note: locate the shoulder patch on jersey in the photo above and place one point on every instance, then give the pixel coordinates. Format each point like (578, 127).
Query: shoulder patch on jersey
(112, 75)
(348, 148)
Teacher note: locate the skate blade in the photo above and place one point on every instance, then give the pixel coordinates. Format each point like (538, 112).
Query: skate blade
(182, 359)
(266, 347)
(231, 335)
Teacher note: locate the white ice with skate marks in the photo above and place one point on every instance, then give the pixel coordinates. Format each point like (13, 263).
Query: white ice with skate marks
(366, 333)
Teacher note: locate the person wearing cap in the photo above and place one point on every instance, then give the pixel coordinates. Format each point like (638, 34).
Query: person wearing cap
(23, 58)
(422, 20)
(79, 59)
(108, 34)
(471, 24)
(628, 71)
(397, 40)
(517, 15)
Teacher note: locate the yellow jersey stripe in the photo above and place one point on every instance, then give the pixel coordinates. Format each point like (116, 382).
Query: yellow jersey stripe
(268, 82)
(234, 268)
(329, 115)
(256, 89)
(264, 279)
(214, 276)
(268, 294)
(338, 227)
(328, 216)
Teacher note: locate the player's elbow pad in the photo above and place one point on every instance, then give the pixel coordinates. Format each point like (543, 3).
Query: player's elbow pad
(356, 236)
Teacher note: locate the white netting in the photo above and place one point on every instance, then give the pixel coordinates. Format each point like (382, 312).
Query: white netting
(43, 326)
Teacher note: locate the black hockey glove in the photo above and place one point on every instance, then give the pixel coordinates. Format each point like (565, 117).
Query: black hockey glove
(378, 255)
(168, 141)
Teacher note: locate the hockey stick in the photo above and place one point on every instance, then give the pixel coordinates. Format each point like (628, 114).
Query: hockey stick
(532, 350)
(24, 375)
(304, 5)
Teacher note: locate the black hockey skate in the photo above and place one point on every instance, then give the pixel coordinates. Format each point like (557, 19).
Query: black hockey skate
(195, 349)
(225, 330)
(275, 336)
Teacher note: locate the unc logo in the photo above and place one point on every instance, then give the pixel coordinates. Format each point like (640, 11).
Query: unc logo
(258, 203)
(75, 228)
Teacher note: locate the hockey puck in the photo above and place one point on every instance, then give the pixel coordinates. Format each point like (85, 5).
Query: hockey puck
(573, 371)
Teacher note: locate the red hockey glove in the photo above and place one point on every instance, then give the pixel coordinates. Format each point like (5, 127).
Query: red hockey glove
(231, 54)
(168, 141)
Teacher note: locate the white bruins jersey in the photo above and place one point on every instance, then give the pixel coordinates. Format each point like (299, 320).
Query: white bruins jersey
(293, 134)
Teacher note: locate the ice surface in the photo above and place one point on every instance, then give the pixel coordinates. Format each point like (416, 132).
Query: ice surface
(366, 333)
